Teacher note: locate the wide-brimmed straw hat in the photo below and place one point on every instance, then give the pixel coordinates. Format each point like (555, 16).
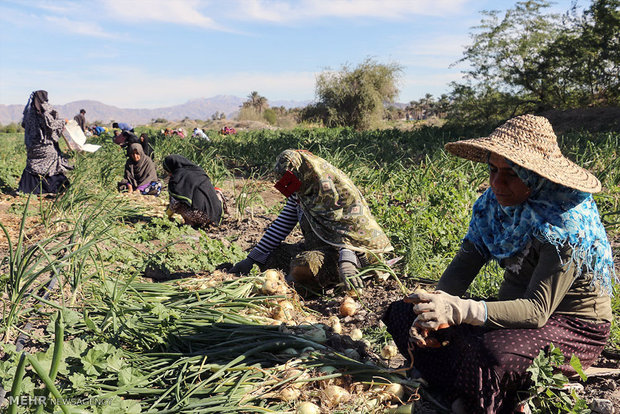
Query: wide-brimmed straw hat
(529, 141)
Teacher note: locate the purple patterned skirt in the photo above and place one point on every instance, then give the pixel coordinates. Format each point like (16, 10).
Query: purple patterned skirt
(487, 367)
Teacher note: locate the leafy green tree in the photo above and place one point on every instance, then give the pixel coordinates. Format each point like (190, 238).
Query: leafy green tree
(270, 116)
(586, 55)
(354, 97)
(526, 60)
(508, 53)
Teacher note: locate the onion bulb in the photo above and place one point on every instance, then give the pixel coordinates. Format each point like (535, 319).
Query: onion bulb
(356, 334)
(334, 323)
(289, 351)
(389, 352)
(272, 274)
(307, 408)
(348, 307)
(336, 395)
(269, 287)
(288, 394)
(396, 391)
(296, 375)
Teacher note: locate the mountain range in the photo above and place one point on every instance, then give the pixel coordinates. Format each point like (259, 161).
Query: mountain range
(201, 108)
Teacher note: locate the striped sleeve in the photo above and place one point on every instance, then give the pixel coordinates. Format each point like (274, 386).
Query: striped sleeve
(277, 231)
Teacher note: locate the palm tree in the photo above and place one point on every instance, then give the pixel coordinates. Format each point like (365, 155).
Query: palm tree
(256, 101)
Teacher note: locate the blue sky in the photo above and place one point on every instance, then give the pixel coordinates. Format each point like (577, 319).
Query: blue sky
(155, 53)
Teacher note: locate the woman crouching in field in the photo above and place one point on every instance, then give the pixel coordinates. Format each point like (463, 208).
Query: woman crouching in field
(191, 193)
(140, 173)
(339, 230)
(539, 221)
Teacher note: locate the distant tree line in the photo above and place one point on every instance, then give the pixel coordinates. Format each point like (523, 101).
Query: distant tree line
(522, 60)
(11, 128)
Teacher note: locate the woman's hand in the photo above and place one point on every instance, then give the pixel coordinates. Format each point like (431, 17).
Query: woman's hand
(243, 267)
(439, 308)
(347, 272)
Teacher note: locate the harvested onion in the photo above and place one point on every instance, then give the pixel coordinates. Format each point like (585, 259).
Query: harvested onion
(270, 287)
(396, 391)
(336, 395)
(356, 334)
(296, 375)
(272, 274)
(289, 394)
(389, 352)
(307, 408)
(334, 323)
(348, 307)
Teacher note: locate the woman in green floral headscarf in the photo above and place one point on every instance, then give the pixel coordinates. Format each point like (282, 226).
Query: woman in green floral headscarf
(338, 226)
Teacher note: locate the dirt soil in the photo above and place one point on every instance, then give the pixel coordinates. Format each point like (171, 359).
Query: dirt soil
(377, 295)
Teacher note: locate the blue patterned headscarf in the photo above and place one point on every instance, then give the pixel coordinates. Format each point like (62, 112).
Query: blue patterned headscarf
(554, 214)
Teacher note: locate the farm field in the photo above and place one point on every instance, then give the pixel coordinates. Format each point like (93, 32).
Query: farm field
(123, 311)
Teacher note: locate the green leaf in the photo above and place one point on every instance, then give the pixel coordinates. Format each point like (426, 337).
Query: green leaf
(94, 362)
(89, 322)
(78, 381)
(576, 364)
(75, 348)
(115, 363)
(27, 386)
(119, 406)
(131, 376)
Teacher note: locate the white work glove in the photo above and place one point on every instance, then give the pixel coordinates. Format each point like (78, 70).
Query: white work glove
(243, 267)
(439, 309)
(347, 272)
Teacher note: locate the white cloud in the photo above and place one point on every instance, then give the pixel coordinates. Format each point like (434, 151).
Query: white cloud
(429, 51)
(79, 27)
(52, 18)
(183, 12)
(286, 11)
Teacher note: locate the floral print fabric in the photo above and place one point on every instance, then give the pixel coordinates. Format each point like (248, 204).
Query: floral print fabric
(334, 207)
(41, 133)
(553, 213)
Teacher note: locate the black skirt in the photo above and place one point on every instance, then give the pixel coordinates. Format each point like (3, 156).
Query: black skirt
(37, 184)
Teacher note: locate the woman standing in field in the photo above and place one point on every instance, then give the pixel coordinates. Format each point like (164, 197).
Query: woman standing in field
(45, 165)
(191, 193)
(339, 230)
(140, 173)
(539, 221)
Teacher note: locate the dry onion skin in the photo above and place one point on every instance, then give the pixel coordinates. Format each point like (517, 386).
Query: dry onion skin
(307, 407)
(356, 334)
(272, 274)
(336, 395)
(289, 394)
(348, 307)
(389, 352)
(334, 323)
(396, 391)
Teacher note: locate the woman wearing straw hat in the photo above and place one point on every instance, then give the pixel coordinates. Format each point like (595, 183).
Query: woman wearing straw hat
(539, 221)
